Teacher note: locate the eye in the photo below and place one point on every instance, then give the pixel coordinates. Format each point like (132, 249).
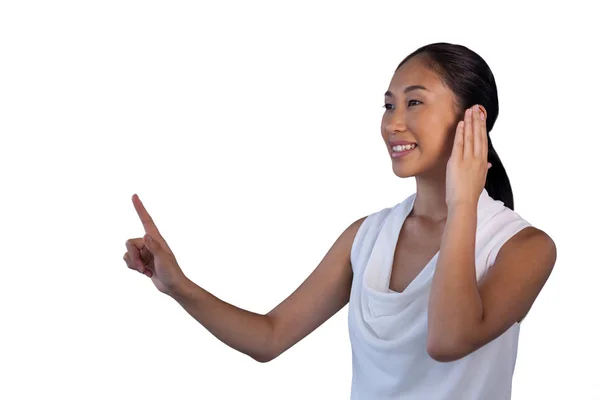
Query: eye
(389, 106)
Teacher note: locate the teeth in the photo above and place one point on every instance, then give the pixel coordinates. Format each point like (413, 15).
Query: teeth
(403, 147)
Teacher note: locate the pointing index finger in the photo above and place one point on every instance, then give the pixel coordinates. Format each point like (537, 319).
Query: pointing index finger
(146, 219)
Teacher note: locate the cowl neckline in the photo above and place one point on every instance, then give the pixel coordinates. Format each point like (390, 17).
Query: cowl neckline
(377, 300)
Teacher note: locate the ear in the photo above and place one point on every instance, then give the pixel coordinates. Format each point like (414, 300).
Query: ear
(482, 109)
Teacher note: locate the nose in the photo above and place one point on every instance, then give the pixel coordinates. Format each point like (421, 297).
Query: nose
(394, 121)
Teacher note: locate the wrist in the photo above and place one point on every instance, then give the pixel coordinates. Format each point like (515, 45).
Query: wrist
(181, 290)
(461, 212)
(463, 205)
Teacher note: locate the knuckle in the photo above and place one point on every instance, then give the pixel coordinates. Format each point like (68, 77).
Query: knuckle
(134, 243)
(127, 261)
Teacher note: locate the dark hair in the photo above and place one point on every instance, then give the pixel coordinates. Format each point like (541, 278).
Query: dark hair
(471, 79)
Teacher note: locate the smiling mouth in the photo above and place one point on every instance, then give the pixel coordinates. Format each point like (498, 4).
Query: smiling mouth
(399, 151)
(401, 147)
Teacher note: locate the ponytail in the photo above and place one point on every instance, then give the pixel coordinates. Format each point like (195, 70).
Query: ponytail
(497, 183)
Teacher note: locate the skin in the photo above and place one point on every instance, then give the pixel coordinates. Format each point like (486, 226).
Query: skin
(449, 165)
(429, 118)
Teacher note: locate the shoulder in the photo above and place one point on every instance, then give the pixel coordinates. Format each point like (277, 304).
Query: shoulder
(363, 232)
(369, 222)
(352, 231)
(530, 254)
(531, 242)
(367, 228)
(512, 240)
(355, 226)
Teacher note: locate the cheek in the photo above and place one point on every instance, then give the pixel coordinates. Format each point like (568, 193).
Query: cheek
(423, 123)
(436, 143)
(443, 144)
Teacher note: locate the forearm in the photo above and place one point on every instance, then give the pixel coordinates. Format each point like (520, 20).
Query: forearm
(455, 306)
(242, 330)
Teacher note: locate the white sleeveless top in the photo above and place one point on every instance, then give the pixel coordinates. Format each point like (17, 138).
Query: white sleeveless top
(388, 330)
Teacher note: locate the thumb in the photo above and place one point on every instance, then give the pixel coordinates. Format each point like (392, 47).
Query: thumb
(151, 244)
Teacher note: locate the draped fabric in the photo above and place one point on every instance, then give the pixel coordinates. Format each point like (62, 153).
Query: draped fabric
(388, 330)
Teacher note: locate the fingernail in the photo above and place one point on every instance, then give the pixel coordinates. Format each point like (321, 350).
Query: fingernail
(469, 112)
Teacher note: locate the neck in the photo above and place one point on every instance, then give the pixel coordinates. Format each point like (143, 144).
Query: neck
(430, 201)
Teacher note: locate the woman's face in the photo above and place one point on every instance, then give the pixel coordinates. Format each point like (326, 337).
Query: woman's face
(427, 117)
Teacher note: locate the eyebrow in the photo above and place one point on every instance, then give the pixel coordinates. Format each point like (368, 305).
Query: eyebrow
(408, 89)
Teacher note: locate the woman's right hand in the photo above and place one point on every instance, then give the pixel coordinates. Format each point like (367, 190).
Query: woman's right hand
(152, 256)
(138, 257)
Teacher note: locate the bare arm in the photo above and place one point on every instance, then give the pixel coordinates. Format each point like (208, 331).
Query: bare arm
(264, 337)
(242, 330)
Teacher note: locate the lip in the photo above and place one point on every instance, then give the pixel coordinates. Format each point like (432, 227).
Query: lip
(398, 154)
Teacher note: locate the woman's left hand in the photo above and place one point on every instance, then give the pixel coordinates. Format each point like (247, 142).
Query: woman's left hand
(467, 167)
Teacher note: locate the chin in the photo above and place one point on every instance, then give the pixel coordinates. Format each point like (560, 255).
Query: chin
(415, 165)
(404, 171)
(409, 165)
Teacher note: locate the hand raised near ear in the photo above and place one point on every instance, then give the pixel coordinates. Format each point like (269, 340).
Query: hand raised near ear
(467, 167)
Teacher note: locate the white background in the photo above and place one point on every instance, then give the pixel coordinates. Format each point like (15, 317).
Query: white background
(250, 130)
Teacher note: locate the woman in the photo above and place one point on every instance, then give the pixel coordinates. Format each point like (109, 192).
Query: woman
(437, 284)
